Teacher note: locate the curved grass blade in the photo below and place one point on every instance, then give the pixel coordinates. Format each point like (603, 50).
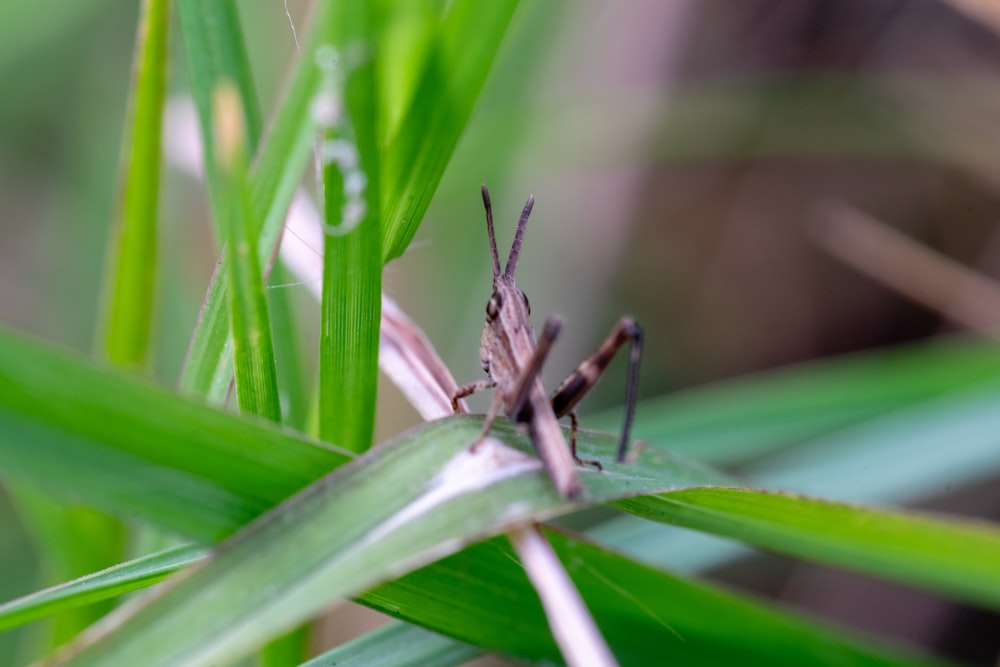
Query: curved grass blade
(960, 558)
(112, 582)
(906, 456)
(85, 425)
(740, 420)
(399, 507)
(68, 426)
(649, 617)
(461, 55)
(215, 52)
(479, 592)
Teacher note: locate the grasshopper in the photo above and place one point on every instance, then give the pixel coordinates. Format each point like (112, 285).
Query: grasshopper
(513, 359)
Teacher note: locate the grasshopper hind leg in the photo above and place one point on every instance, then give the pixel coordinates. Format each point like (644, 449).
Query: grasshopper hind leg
(582, 380)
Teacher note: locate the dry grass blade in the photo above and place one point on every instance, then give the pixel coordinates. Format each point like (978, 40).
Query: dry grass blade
(986, 12)
(873, 248)
(577, 634)
(409, 359)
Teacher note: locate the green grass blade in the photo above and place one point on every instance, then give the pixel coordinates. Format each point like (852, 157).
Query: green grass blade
(73, 540)
(293, 382)
(112, 582)
(907, 456)
(469, 35)
(743, 419)
(220, 471)
(350, 311)
(208, 366)
(463, 52)
(649, 617)
(130, 281)
(398, 645)
(65, 424)
(253, 351)
(955, 557)
(76, 540)
(479, 592)
(899, 459)
(274, 176)
(349, 336)
(409, 33)
(216, 53)
(398, 508)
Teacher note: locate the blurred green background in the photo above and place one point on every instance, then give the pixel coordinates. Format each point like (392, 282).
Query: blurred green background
(679, 151)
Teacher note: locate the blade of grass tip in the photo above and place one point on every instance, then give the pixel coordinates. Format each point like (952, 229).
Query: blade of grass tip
(253, 352)
(466, 47)
(130, 279)
(350, 309)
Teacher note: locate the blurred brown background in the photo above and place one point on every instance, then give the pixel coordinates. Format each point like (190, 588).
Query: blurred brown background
(681, 153)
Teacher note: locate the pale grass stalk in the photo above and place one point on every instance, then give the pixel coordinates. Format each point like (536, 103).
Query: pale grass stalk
(986, 12)
(964, 296)
(579, 638)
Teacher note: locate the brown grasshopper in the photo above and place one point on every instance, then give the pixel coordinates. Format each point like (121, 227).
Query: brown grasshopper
(512, 359)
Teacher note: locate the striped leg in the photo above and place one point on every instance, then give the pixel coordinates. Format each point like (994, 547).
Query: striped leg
(580, 381)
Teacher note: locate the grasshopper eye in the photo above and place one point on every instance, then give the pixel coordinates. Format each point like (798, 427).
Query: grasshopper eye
(524, 297)
(493, 306)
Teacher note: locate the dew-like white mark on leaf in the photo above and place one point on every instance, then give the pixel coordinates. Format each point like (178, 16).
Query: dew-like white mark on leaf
(491, 462)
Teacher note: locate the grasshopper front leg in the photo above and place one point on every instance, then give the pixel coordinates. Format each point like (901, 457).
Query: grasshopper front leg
(586, 375)
(469, 390)
(518, 398)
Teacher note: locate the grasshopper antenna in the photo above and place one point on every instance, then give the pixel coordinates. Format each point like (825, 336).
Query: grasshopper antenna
(489, 228)
(515, 250)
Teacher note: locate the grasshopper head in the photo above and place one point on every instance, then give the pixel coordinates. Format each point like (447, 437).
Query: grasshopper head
(505, 292)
